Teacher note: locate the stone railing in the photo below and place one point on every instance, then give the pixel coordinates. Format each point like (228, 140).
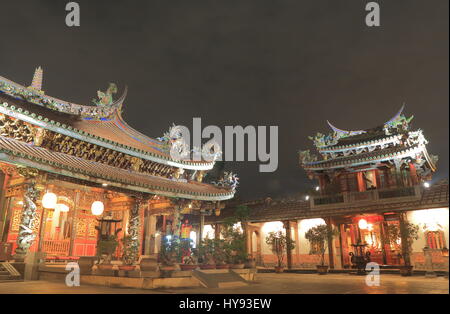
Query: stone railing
(375, 195)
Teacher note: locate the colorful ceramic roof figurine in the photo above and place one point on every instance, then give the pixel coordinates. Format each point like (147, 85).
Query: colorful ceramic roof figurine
(94, 143)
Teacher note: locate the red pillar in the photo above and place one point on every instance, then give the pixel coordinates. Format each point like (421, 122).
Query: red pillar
(361, 183)
(413, 173)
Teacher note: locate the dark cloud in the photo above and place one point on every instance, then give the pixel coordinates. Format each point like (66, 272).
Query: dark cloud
(294, 64)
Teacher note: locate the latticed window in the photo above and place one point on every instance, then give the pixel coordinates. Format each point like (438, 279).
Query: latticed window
(435, 239)
(349, 182)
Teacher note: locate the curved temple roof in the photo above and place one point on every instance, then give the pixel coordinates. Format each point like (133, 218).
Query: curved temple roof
(101, 124)
(94, 122)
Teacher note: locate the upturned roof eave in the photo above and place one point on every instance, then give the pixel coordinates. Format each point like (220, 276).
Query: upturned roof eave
(55, 126)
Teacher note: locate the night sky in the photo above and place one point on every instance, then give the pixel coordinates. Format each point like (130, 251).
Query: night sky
(293, 64)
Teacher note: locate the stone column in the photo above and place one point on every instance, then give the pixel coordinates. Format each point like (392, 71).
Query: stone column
(330, 244)
(200, 231)
(287, 226)
(26, 236)
(150, 248)
(73, 228)
(217, 232)
(133, 232)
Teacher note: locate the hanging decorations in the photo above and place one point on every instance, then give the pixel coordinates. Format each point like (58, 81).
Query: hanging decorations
(49, 200)
(97, 208)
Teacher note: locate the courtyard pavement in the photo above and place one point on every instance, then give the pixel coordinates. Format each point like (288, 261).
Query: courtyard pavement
(266, 283)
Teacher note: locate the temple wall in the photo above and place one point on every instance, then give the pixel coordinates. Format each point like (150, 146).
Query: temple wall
(437, 218)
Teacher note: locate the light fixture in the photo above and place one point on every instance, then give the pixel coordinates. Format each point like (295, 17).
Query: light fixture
(97, 208)
(307, 198)
(104, 184)
(306, 224)
(62, 207)
(273, 226)
(362, 224)
(426, 185)
(317, 188)
(49, 200)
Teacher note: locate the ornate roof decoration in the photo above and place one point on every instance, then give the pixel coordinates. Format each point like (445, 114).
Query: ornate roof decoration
(94, 143)
(397, 124)
(392, 141)
(100, 123)
(105, 108)
(36, 83)
(228, 180)
(16, 152)
(344, 133)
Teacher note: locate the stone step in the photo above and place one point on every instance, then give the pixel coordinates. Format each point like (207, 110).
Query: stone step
(5, 277)
(226, 278)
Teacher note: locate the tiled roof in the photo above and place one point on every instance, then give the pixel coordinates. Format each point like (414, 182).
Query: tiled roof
(115, 130)
(363, 157)
(16, 151)
(434, 197)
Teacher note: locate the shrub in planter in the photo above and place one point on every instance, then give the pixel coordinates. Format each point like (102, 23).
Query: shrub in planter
(405, 233)
(168, 256)
(206, 254)
(280, 244)
(234, 245)
(318, 238)
(187, 254)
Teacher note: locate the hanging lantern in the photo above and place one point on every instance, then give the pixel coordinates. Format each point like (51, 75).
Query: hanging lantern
(97, 208)
(362, 224)
(62, 208)
(49, 200)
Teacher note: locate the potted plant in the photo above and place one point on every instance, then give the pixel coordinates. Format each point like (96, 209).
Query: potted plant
(221, 254)
(250, 262)
(186, 255)
(234, 245)
(168, 256)
(405, 233)
(318, 238)
(280, 244)
(206, 254)
(129, 254)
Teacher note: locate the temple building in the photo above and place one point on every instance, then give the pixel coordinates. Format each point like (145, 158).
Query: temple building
(365, 182)
(70, 173)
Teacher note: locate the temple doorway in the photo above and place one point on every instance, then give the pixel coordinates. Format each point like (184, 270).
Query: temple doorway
(374, 231)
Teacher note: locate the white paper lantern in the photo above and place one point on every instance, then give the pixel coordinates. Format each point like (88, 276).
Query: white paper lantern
(97, 208)
(49, 200)
(62, 207)
(362, 224)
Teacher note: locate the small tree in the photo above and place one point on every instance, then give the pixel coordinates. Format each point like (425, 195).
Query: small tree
(406, 232)
(235, 238)
(318, 237)
(280, 245)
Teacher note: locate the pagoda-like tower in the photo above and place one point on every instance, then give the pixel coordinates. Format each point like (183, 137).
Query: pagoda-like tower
(388, 156)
